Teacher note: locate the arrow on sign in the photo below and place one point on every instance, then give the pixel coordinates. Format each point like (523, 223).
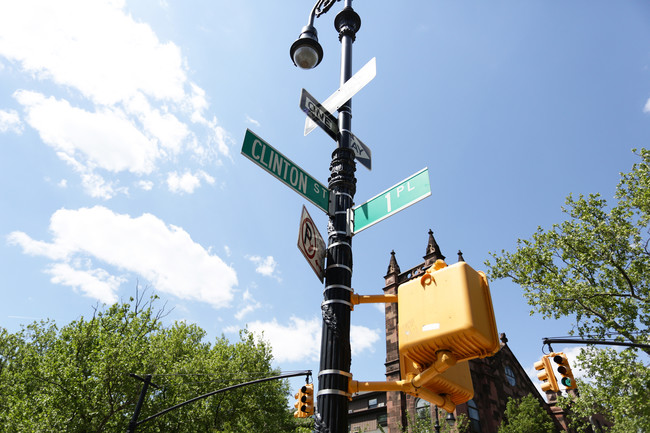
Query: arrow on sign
(343, 94)
(315, 111)
(326, 120)
(361, 151)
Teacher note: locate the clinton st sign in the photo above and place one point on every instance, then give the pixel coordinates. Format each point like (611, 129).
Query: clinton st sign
(285, 170)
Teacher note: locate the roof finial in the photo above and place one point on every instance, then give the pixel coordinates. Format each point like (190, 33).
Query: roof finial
(433, 250)
(393, 267)
(460, 256)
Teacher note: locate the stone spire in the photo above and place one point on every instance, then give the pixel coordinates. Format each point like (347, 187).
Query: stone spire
(393, 267)
(433, 251)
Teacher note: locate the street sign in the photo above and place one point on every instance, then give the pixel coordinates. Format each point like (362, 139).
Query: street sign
(315, 111)
(326, 120)
(311, 244)
(361, 151)
(346, 91)
(278, 165)
(394, 199)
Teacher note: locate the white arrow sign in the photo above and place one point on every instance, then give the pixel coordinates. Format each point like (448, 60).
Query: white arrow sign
(346, 91)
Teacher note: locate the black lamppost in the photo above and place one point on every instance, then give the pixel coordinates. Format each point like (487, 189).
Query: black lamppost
(332, 397)
(436, 426)
(450, 419)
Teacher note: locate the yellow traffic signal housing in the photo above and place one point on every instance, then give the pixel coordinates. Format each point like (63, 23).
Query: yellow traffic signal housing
(308, 399)
(547, 376)
(448, 308)
(456, 382)
(304, 401)
(565, 370)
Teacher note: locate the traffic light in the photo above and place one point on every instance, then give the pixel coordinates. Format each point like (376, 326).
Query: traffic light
(455, 382)
(446, 308)
(304, 401)
(549, 382)
(565, 370)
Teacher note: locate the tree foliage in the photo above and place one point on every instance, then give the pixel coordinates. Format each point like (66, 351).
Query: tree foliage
(526, 415)
(422, 422)
(618, 389)
(76, 378)
(595, 268)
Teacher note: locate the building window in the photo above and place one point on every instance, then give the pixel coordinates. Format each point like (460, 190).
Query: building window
(372, 403)
(473, 417)
(422, 408)
(382, 420)
(510, 375)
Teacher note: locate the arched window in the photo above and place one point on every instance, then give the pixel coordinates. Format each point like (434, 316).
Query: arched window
(510, 375)
(474, 420)
(422, 408)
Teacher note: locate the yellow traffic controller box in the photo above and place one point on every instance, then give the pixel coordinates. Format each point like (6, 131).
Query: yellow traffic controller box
(456, 382)
(447, 308)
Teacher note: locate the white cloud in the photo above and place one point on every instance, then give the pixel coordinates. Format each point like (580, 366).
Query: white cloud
(146, 185)
(232, 329)
(93, 46)
(265, 266)
(646, 108)
(10, 122)
(95, 283)
(187, 182)
(284, 338)
(362, 338)
(165, 255)
(106, 139)
(250, 305)
(145, 109)
(63, 183)
(252, 121)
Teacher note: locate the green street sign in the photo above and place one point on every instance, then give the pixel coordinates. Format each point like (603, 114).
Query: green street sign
(264, 155)
(393, 200)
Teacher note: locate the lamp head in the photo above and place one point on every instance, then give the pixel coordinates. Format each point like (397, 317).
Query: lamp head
(306, 52)
(451, 420)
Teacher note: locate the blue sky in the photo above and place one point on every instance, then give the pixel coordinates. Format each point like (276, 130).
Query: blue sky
(121, 124)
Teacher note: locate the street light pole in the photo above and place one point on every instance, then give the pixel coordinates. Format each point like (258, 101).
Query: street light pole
(436, 426)
(335, 358)
(335, 339)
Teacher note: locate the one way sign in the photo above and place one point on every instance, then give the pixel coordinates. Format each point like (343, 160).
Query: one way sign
(326, 120)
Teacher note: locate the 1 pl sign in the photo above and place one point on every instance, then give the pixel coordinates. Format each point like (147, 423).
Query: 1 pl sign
(264, 155)
(311, 244)
(394, 199)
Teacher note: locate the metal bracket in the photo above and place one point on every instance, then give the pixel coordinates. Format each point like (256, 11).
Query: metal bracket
(349, 226)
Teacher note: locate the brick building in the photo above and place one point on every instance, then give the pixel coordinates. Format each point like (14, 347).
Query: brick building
(494, 379)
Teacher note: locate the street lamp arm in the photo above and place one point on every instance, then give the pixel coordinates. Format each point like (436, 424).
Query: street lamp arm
(549, 341)
(322, 6)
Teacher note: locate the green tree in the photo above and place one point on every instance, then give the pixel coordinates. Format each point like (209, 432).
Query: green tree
(594, 267)
(76, 378)
(422, 422)
(526, 415)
